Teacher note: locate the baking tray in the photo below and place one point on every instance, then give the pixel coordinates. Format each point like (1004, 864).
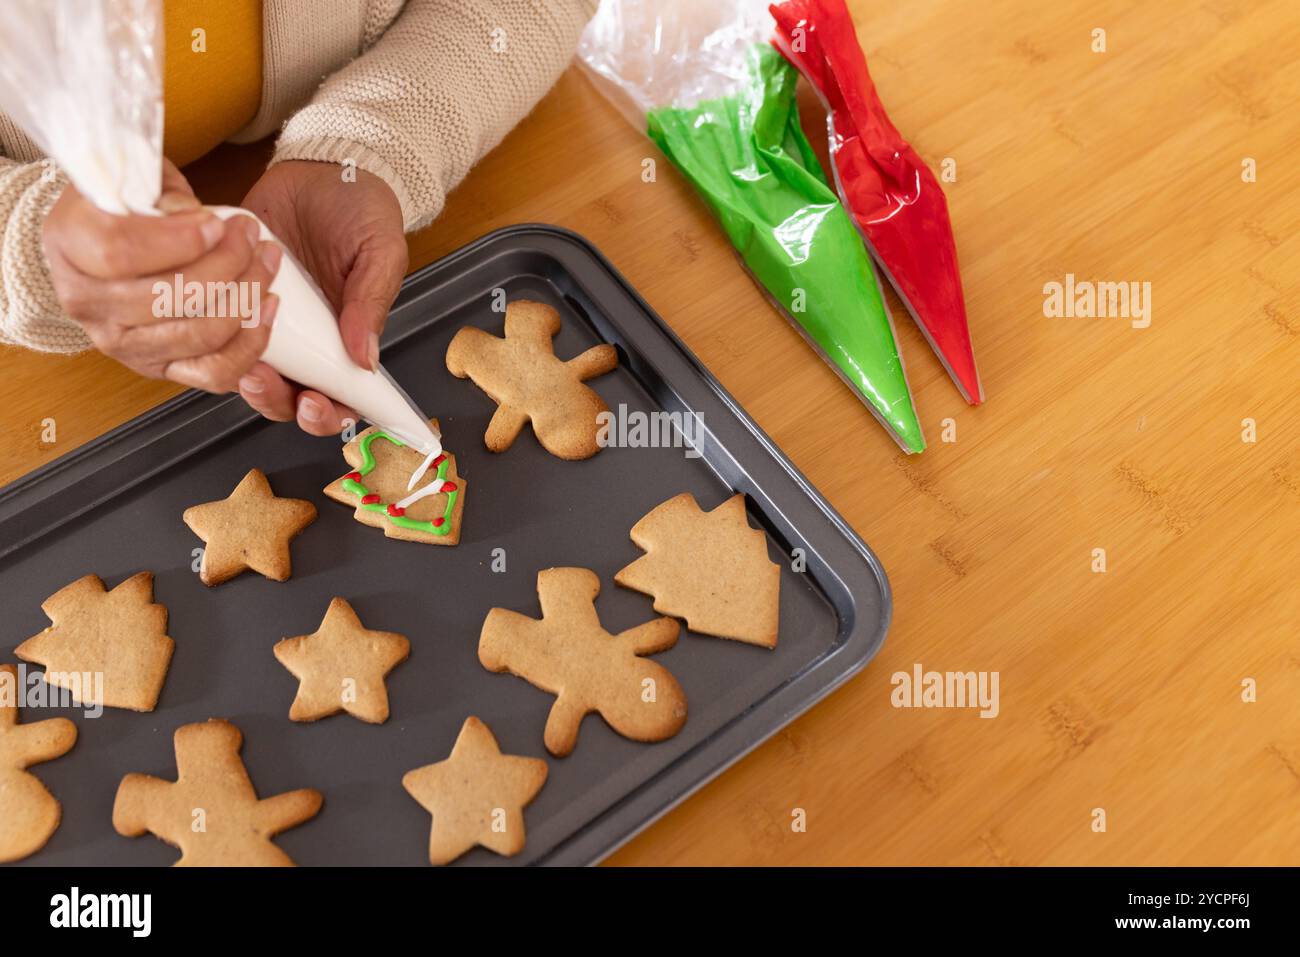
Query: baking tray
(113, 507)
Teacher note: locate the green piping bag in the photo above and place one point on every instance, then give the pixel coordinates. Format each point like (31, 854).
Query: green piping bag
(747, 156)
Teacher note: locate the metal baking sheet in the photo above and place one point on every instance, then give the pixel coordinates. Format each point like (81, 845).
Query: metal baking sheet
(114, 507)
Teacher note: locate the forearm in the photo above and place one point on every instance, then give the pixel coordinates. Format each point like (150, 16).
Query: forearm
(440, 89)
(30, 314)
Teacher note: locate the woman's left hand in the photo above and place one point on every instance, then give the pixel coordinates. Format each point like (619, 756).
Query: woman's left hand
(348, 234)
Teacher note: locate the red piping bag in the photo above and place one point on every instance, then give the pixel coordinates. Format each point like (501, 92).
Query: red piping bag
(893, 196)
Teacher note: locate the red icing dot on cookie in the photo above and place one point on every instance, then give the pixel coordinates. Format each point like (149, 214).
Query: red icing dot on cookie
(371, 499)
(437, 522)
(449, 486)
(436, 462)
(396, 511)
(355, 476)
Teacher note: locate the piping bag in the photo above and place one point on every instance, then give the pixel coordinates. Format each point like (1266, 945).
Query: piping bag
(306, 346)
(703, 82)
(891, 193)
(84, 81)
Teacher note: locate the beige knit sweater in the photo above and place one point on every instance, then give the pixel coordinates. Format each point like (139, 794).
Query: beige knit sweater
(415, 91)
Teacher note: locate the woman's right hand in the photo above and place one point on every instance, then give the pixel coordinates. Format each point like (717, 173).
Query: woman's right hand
(105, 268)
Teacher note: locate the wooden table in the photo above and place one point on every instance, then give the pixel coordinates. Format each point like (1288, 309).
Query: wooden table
(1120, 690)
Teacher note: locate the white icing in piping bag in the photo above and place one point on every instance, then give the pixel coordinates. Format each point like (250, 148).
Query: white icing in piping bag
(306, 347)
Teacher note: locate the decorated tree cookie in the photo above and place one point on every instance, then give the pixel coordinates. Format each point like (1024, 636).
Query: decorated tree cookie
(29, 814)
(570, 655)
(380, 489)
(529, 383)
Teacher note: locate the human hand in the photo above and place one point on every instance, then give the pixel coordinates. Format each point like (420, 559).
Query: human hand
(104, 270)
(348, 235)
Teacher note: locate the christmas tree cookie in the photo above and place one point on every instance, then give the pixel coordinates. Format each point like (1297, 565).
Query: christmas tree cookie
(710, 568)
(120, 635)
(381, 490)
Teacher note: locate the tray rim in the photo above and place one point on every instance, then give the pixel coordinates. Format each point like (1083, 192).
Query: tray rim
(624, 817)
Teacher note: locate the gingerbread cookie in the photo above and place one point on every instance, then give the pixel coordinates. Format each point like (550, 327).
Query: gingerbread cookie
(523, 376)
(476, 796)
(211, 812)
(341, 667)
(380, 489)
(570, 655)
(251, 529)
(120, 635)
(29, 814)
(710, 568)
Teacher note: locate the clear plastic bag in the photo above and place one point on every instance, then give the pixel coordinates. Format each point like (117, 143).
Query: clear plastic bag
(84, 80)
(671, 53)
(701, 80)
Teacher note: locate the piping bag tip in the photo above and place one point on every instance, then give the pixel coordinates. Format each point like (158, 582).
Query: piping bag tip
(431, 453)
(908, 434)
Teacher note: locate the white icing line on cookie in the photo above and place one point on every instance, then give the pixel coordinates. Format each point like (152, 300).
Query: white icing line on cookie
(424, 467)
(431, 489)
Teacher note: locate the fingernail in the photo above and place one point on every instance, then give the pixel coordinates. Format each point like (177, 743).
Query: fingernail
(270, 257)
(372, 353)
(252, 231)
(212, 229)
(177, 202)
(310, 409)
(252, 383)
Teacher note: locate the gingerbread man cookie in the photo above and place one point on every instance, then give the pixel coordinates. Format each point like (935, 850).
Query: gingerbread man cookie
(380, 489)
(29, 814)
(528, 382)
(569, 654)
(250, 529)
(710, 568)
(119, 636)
(211, 812)
(341, 667)
(476, 796)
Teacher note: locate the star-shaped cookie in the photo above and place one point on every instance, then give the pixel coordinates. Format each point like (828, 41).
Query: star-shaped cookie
(341, 667)
(251, 529)
(476, 796)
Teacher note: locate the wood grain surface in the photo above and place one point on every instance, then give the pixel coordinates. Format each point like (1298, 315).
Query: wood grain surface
(1119, 690)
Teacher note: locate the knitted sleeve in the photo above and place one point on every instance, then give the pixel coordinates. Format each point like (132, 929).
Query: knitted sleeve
(30, 314)
(438, 90)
